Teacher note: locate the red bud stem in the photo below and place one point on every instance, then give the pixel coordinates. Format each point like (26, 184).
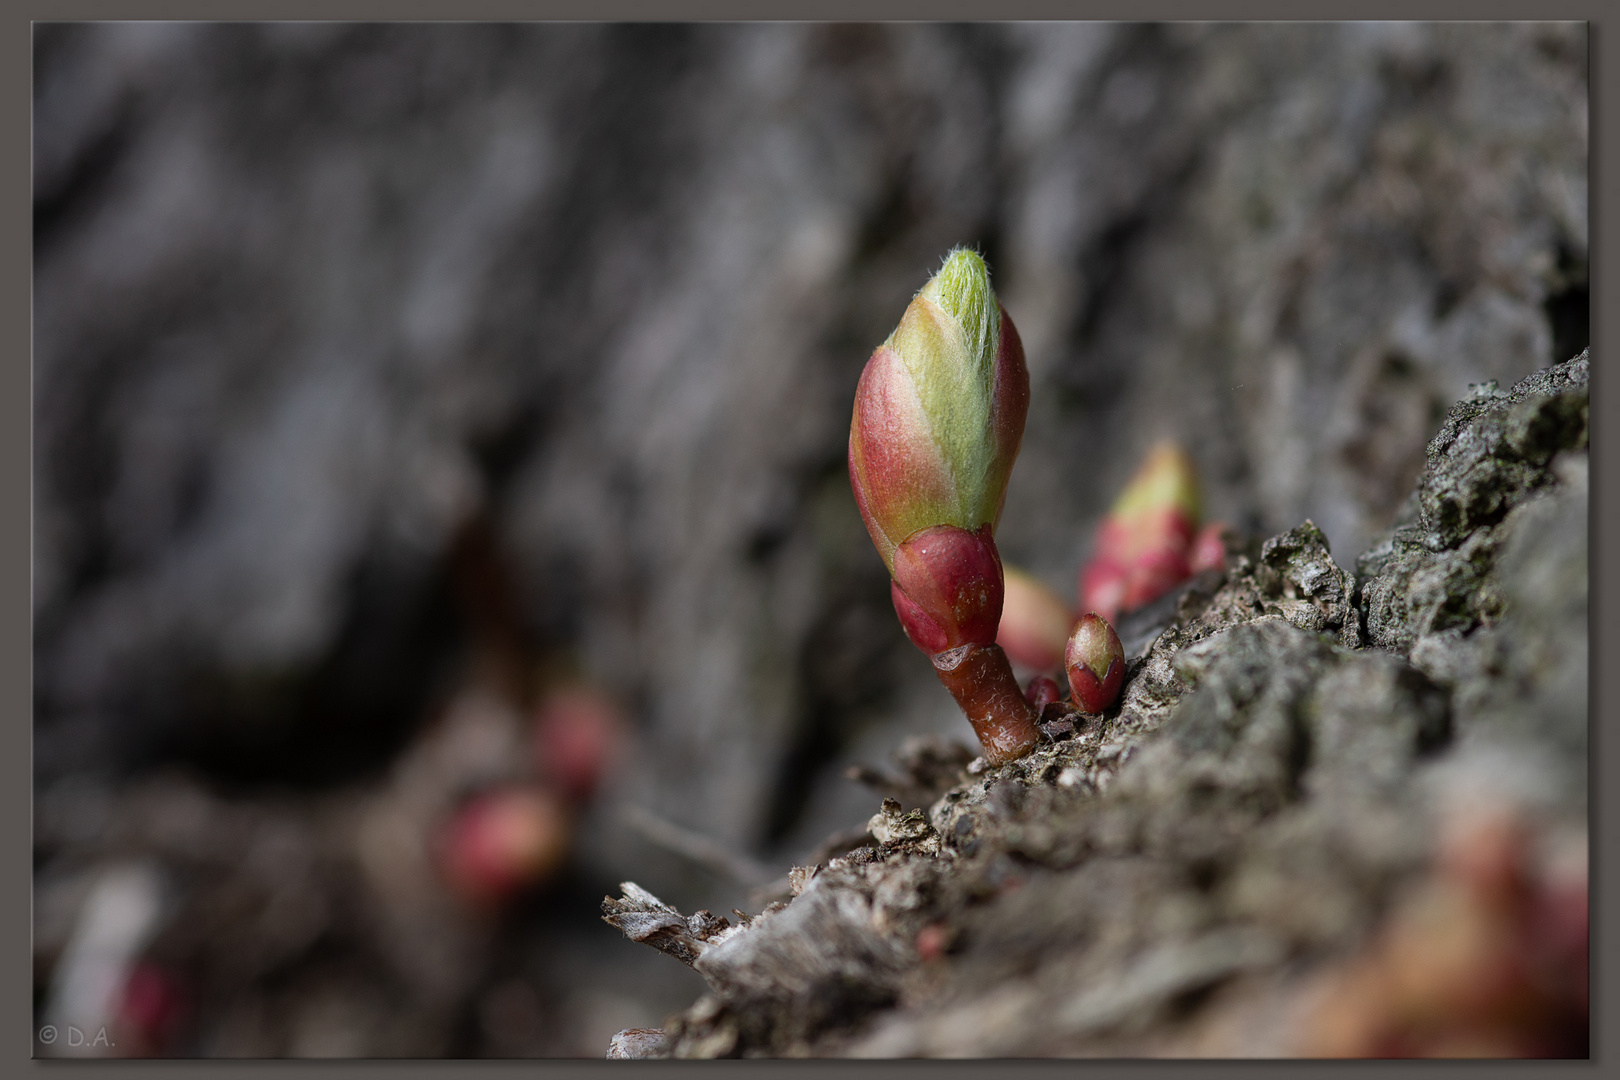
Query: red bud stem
(981, 680)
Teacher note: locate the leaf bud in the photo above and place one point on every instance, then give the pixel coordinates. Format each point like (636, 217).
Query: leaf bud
(1095, 662)
(939, 411)
(1143, 545)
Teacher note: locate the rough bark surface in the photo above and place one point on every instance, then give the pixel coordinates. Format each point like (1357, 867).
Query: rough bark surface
(388, 376)
(1185, 873)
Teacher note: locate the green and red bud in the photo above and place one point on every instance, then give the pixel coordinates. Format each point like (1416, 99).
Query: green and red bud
(939, 412)
(1095, 662)
(938, 418)
(1035, 622)
(1144, 544)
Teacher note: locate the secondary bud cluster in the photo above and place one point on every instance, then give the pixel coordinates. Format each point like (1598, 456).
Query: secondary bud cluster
(1149, 543)
(512, 834)
(939, 415)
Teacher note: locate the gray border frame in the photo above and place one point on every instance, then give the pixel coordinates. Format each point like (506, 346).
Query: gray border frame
(16, 1012)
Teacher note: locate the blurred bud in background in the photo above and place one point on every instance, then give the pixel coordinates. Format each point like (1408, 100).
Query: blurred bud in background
(1488, 957)
(1035, 622)
(503, 842)
(1209, 548)
(1143, 545)
(152, 1010)
(579, 735)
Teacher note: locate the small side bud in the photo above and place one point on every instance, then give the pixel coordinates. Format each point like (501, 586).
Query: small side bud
(1042, 692)
(1095, 661)
(1035, 623)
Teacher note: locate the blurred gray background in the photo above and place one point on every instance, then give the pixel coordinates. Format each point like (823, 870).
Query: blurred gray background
(385, 376)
